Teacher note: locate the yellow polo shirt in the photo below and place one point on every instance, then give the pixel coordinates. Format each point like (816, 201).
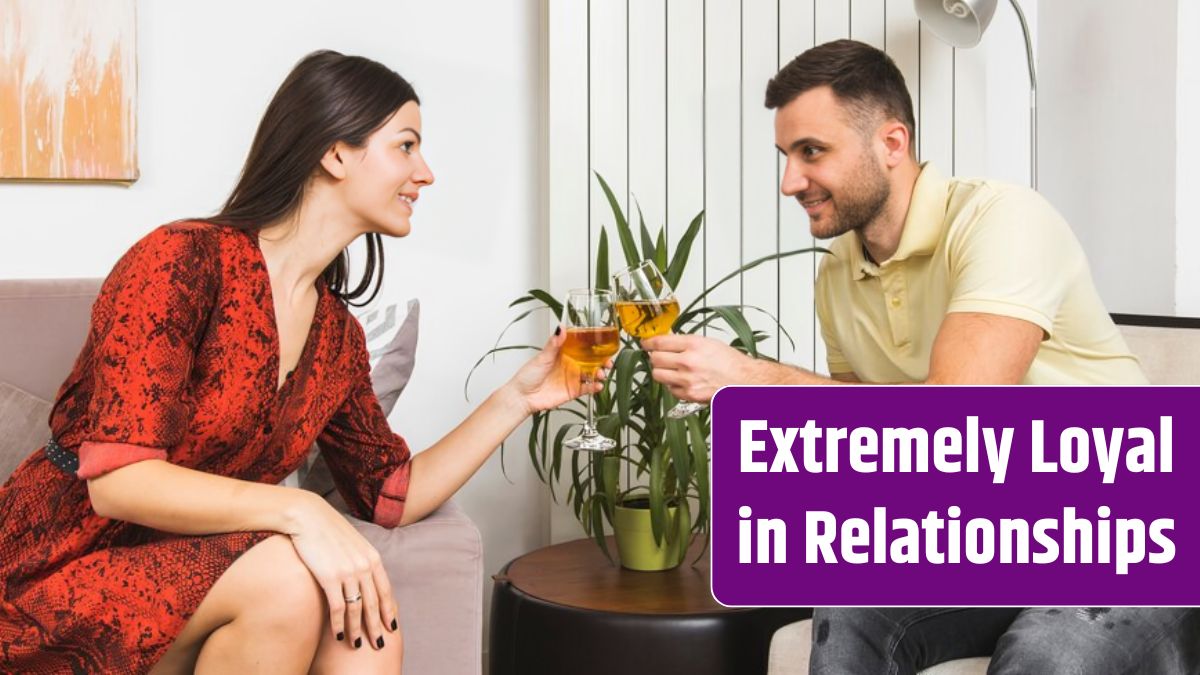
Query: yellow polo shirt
(969, 246)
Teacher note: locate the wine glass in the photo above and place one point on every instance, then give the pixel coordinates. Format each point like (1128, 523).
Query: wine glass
(592, 339)
(646, 307)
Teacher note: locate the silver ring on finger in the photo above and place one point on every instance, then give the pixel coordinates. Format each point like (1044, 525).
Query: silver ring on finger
(356, 598)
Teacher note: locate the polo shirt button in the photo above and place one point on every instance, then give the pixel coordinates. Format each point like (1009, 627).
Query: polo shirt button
(895, 301)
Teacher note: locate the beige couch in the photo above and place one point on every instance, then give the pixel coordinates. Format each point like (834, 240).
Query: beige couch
(1169, 349)
(436, 565)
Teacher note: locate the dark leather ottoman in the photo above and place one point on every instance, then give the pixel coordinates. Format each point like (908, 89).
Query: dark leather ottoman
(567, 609)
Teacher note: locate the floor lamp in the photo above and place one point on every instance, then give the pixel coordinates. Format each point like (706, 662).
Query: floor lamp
(961, 23)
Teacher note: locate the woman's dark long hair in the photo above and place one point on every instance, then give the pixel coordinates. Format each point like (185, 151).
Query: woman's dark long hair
(328, 97)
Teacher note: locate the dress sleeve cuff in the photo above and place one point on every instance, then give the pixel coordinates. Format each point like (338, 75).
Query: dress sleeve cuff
(97, 459)
(389, 508)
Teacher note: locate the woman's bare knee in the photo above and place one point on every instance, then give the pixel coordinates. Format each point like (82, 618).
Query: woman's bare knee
(275, 587)
(267, 589)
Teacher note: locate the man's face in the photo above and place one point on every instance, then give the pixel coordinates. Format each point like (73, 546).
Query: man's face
(832, 168)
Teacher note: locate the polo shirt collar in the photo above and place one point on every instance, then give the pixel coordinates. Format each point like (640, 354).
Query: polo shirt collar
(923, 224)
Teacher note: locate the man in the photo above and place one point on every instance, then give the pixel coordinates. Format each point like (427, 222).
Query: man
(937, 281)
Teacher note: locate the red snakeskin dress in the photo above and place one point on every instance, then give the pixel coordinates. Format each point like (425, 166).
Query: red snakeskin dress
(181, 364)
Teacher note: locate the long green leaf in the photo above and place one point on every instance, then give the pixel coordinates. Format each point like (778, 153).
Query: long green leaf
(556, 454)
(585, 518)
(647, 240)
(700, 462)
(602, 278)
(703, 549)
(596, 459)
(623, 233)
(533, 445)
(683, 325)
(683, 249)
(612, 470)
(680, 453)
(609, 425)
(625, 367)
(467, 384)
(660, 251)
(521, 300)
(577, 486)
(712, 318)
(554, 305)
(683, 527)
(603, 401)
(738, 323)
(749, 266)
(520, 317)
(658, 507)
(598, 528)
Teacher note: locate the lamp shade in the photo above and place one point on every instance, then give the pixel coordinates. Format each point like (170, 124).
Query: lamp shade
(958, 22)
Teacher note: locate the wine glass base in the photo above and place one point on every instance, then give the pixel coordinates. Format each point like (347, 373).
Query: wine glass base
(593, 442)
(685, 408)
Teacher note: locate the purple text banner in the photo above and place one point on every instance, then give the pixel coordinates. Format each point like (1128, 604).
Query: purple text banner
(969, 496)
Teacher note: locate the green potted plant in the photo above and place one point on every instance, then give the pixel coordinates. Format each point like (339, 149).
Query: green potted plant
(662, 503)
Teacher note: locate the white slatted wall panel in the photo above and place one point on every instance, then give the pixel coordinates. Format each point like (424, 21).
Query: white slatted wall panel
(664, 98)
(797, 32)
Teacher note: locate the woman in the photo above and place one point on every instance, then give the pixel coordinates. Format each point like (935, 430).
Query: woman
(151, 532)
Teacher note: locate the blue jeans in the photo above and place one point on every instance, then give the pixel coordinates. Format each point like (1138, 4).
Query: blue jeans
(1041, 641)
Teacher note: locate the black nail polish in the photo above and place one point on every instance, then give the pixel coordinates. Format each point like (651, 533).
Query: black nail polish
(341, 636)
(379, 642)
(357, 642)
(558, 331)
(394, 626)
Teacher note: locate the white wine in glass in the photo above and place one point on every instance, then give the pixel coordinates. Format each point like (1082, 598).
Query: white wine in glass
(647, 307)
(647, 318)
(591, 340)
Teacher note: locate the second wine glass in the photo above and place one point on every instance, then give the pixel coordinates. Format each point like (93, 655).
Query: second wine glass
(591, 340)
(647, 307)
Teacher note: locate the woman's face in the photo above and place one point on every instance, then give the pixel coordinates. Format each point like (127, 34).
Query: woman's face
(383, 178)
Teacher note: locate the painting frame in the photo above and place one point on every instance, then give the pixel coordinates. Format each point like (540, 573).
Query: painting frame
(68, 91)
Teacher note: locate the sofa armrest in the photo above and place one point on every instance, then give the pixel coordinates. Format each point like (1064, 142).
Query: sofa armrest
(436, 568)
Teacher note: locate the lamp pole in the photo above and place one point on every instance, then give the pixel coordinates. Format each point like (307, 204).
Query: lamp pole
(961, 23)
(1033, 121)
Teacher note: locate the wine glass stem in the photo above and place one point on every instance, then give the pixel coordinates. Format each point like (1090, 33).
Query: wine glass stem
(589, 429)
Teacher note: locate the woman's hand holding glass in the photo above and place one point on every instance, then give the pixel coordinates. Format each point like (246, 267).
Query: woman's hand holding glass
(551, 378)
(590, 341)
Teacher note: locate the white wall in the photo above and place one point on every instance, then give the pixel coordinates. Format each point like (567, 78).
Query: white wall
(1187, 166)
(1108, 141)
(206, 72)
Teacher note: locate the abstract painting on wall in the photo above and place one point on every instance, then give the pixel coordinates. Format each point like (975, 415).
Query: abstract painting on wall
(68, 90)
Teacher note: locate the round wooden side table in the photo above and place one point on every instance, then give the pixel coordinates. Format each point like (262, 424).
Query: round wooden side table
(565, 609)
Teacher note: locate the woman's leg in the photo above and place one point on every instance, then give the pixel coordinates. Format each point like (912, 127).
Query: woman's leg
(264, 614)
(1101, 641)
(901, 640)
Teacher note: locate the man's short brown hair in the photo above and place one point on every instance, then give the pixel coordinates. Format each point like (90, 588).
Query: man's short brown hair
(863, 78)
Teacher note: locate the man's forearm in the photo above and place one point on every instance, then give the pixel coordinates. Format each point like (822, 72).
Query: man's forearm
(771, 372)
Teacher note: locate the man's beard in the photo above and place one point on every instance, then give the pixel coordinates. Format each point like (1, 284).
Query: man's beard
(859, 205)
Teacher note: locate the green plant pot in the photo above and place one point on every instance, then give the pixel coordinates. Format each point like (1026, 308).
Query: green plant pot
(635, 541)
